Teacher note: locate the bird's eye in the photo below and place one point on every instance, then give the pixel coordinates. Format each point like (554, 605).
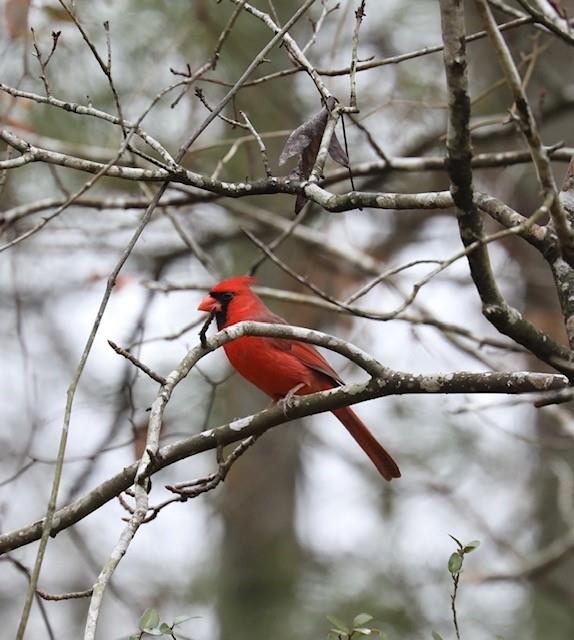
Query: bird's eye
(221, 296)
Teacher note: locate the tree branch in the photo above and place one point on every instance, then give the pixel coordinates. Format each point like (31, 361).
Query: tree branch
(529, 129)
(384, 382)
(494, 307)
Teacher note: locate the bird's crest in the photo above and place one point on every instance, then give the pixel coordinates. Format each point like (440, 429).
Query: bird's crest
(234, 284)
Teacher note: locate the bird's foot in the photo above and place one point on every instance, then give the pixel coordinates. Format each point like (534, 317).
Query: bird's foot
(287, 401)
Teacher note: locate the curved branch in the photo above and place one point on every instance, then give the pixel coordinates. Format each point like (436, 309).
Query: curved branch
(384, 382)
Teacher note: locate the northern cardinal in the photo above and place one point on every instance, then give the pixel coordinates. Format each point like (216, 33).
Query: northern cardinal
(282, 367)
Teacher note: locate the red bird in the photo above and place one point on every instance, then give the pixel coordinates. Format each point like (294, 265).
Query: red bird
(280, 367)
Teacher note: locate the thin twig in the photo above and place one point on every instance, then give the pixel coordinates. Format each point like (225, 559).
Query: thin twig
(234, 123)
(105, 67)
(225, 33)
(44, 63)
(260, 144)
(374, 64)
(359, 15)
(195, 488)
(58, 597)
(203, 332)
(279, 35)
(286, 233)
(140, 365)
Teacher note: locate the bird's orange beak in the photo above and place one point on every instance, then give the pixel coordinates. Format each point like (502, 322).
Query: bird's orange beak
(209, 304)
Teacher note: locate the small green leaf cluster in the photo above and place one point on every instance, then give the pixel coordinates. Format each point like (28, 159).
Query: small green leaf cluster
(359, 627)
(456, 558)
(454, 567)
(150, 624)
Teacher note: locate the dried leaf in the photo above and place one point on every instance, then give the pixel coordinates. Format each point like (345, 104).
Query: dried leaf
(337, 152)
(305, 142)
(296, 143)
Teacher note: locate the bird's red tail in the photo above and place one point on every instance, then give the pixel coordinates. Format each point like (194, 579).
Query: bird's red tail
(383, 460)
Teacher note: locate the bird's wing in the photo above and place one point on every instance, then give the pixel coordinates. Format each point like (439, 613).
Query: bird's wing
(305, 353)
(310, 357)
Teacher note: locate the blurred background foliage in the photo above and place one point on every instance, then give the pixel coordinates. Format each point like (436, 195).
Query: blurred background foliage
(303, 526)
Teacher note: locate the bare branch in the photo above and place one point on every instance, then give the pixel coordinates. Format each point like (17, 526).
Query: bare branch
(530, 131)
(505, 318)
(389, 383)
(290, 44)
(140, 365)
(548, 16)
(260, 144)
(374, 64)
(280, 34)
(359, 15)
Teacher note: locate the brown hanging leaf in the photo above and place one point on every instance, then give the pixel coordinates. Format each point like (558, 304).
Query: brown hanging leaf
(337, 152)
(305, 142)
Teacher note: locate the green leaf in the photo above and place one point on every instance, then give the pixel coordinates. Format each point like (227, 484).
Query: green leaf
(338, 624)
(436, 635)
(149, 620)
(455, 563)
(154, 631)
(165, 628)
(471, 546)
(134, 637)
(361, 619)
(364, 631)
